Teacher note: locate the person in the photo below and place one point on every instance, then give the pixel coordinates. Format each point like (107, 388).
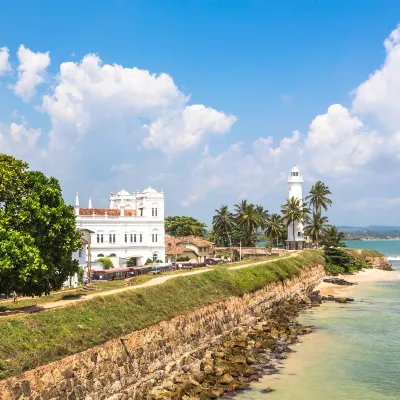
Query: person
(85, 281)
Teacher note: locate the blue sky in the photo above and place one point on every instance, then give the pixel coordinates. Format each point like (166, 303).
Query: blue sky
(255, 69)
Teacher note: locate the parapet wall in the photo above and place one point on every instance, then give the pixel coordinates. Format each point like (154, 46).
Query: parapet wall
(126, 368)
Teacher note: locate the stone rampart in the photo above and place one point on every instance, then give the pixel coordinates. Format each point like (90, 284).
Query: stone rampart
(127, 367)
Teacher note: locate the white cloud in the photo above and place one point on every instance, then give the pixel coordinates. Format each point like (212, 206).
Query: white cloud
(31, 71)
(122, 167)
(338, 143)
(379, 95)
(5, 66)
(20, 141)
(184, 129)
(91, 97)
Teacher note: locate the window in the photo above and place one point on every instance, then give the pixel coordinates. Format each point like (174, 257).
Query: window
(295, 174)
(155, 257)
(112, 237)
(154, 212)
(126, 238)
(140, 238)
(154, 237)
(134, 237)
(99, 238)
(298, 233)
(100, 255)
(112, 255)
(80, 253)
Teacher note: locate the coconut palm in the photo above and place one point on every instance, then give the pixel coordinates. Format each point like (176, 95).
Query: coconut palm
(247, 220)
(223, 223)
(333, 237)
(316, 225)
(262, 216)
(293, 210)
(318, 197)
(275, 227)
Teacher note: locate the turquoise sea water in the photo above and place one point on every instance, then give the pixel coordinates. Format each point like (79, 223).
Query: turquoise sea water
(354, 354)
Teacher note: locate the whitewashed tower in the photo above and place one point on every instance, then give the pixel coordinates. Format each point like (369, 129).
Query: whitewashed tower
(295, 182)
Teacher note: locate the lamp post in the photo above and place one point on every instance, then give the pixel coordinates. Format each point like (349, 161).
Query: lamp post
(89, 233)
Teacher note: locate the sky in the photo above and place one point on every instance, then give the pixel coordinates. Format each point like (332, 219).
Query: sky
(211, 101)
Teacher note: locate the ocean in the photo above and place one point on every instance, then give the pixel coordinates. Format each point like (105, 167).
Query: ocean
(354, 353)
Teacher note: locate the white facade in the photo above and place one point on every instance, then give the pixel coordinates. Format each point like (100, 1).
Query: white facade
(81, 256)
(295, 182)
(133, 226)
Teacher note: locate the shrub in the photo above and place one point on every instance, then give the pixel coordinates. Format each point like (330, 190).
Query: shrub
(183, 259)
(148, 261)
(106, 262)
(333, 269)
(81, 272)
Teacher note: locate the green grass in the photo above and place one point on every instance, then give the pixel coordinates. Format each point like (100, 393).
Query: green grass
(30, 340)
(364, 253)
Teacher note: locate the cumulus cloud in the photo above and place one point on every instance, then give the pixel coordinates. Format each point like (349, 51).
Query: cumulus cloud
(379, 95)
(31, 71)
(91, 96)
(184, 129)
(20, 141)
(5, 66)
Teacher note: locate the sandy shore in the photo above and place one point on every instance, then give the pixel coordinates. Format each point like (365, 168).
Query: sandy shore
(365, 276)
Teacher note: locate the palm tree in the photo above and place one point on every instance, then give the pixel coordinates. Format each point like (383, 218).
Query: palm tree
(316, 225)
(223, 223)
(247, 219)
(262, 216)
(333, 237)
(293, 211)
(275, 227)
(318, 197)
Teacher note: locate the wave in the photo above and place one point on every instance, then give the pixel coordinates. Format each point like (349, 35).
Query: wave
(393, 258)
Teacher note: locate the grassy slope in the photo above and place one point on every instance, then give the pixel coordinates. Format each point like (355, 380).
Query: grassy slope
(29, 340)
(364, 253)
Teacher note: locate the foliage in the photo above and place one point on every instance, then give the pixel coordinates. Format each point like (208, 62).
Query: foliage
(318, 197)
(223, 224)
(27, 341)
(81, 274)
(148, 261)
(333, 238)
(248, 218)
(183, 258)
(316, 225)
(293, 210)
(131, 262)
(106, 262)
(333, 269)
(37, 231)
(184, 226)
(275, 227)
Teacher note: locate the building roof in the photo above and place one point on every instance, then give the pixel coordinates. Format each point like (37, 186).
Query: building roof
(111, 212)
(197, 241)
(84, 240)
(123, 192)
(149, 190)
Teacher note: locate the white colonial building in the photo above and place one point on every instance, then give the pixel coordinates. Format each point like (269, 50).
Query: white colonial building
(132, 227)
(296, 239)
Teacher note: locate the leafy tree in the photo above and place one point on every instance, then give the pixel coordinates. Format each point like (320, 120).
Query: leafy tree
(131, 262)
(37, 231)
(262, 215)
(316, 225)
(183, 259)
(275, 227)
(184, 226)
(106, 262)
(333, 237)
(148, 261)
(318, 197)
(293, 210)
(223, 224)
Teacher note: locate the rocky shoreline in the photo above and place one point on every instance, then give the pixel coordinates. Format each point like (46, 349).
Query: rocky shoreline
(242, 356)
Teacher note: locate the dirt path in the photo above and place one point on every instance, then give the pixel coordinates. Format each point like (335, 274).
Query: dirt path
(155, 281)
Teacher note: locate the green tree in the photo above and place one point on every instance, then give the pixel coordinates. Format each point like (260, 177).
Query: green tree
(223, 224)
(263, 217)
(318, 197)
(184, 226)
(275, 227)
(247, 220)
(106, 262)
(37, 229)
(293, 210)
(316, 225)
(333, 237)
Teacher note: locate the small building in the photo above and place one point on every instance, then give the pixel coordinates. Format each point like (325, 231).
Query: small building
(191, 248)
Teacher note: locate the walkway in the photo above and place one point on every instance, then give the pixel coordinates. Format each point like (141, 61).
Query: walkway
(155, 281)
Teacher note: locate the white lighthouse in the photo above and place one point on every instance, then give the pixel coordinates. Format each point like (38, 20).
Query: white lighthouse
(296, 239)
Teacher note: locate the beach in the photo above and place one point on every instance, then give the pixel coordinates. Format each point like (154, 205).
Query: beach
(354, 350)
